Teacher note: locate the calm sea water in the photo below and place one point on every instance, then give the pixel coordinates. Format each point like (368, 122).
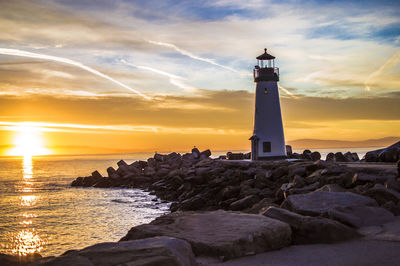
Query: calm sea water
(40, 212)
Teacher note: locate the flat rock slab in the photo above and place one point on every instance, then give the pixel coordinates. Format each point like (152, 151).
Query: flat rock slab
(161, 251)
(359, 216)
(312, 230)
(387, 232)
(350, 253)
(219, 233)
(321, 202)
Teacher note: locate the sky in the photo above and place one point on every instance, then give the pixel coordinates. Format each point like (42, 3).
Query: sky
(145, 76)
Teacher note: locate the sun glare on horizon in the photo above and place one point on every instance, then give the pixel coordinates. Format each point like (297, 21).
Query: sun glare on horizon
(28, 142)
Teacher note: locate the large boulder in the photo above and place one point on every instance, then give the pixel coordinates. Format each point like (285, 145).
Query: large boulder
(311, 230)
(166, 251)
(218, 233)
(382, 194)
(389, 154)
(321, 202)
(359, 216)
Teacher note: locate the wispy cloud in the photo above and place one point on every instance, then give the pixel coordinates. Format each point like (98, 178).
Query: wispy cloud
(173, 79)
(15, 52)
(390, 63)
(193, 56)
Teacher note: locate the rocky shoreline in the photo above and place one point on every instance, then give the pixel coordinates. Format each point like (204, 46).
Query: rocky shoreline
(227, 209)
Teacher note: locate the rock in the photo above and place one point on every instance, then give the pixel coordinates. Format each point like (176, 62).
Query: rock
(306, 152)
(359, 216)
(332, 188)
(302, 190)
(111, 171)
(122, 163)
(392, 207)
(349, 156)
(398, 168)
(244, 203)
(234, 156)
(315, 156)
(311, 230)
(389, 154)
(289, 150)
(196, 153)
(218, 233)
(247, 156)
(382, 194)
(279, 172)
(321, 202)
(298, 181)
(96, 175)
(158, 157)
(78, 182)
(363, 178)
(230, 192)
(339, 157)
(330, 157)
(104, 182)
(205, 154)
(12, 260)
(163, 250)
(191, 204)
(355, 157)
(262, 205)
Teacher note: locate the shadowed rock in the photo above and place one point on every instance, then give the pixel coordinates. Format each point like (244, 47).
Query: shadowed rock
(359, 216)
(219, 233)
(146, 252)
(320, 202)
(311, 230)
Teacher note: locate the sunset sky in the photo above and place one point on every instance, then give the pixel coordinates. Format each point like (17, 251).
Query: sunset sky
(132, 76)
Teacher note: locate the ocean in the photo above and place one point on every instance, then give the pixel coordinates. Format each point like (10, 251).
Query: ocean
(41, 212)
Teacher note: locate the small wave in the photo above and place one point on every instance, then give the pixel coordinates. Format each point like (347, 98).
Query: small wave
(120, 201)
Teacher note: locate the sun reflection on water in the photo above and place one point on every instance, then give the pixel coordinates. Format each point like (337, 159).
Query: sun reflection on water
(27, 167)
(27, 241)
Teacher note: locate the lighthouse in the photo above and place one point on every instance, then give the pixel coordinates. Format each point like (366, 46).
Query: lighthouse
(268, 141)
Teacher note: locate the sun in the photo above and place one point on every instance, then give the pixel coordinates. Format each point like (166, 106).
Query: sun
(28, 142)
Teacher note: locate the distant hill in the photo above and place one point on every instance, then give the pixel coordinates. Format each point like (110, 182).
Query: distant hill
(319, 143)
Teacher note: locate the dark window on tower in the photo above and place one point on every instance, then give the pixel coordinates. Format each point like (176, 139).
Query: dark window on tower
(266, 91)
(267, 146)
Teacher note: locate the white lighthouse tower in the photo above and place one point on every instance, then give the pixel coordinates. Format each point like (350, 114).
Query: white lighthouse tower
(268, 141)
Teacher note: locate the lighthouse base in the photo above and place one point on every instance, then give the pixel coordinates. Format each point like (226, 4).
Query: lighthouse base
(270, 158)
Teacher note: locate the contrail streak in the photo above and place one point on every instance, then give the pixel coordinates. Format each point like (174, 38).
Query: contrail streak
(70, 62)
(189, 54)
(287, 92)
(173, 79)
(391, 62)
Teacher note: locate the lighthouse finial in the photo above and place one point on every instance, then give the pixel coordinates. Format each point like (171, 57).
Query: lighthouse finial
(265, 50)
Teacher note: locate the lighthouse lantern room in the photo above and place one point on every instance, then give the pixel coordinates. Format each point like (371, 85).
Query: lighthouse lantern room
(268, 141)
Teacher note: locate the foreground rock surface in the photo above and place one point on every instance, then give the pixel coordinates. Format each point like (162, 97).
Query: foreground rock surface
(157, 251)
(321, 202)
(219, 233)
(312, 230)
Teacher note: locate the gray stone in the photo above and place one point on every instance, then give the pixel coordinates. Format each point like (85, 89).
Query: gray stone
(160, 251)
(363, 178)
(244, 203)
(320, 202)
(359, 216)
(382, 194)
(332, 188)
(311, 230)
(219, 233)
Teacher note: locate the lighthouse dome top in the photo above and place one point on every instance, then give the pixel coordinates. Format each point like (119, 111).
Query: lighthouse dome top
(265, 56)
